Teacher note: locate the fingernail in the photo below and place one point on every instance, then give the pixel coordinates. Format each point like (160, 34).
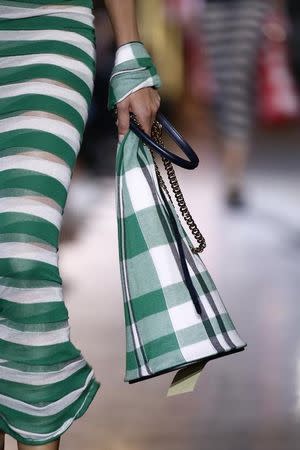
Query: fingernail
(121, 137)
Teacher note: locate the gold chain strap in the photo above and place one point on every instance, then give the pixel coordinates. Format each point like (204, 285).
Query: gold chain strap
(156, 134)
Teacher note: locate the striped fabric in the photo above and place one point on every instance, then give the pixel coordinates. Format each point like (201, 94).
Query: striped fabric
(47, 65)
(232, 34)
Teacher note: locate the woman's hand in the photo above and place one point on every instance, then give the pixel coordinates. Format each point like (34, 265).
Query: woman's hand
(144, 103)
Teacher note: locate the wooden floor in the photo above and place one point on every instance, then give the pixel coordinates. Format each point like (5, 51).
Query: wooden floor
(248, 401)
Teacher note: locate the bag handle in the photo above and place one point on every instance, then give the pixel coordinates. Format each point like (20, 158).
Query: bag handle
(157, 139)
(190, 163)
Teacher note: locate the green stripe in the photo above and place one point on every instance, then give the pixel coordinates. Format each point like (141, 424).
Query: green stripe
(46, 393)
(17, 222)
(38, 354)
(40, 102)
(161, 345)
(28, 139)
(30, 181)
(19, 237)
(148, 304)
(34, 327)
(34, 313)
(49, 23)
(10, 75)
(39, 368)
(29, 269)
(17, 48)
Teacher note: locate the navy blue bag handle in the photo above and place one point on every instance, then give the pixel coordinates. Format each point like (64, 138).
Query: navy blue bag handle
(190, 163)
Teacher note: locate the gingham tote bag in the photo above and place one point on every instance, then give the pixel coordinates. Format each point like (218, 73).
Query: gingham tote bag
(164, 331)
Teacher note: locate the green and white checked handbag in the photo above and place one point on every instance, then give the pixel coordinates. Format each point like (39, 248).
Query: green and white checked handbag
(165, 329)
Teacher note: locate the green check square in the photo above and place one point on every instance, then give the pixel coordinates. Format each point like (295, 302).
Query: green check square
(145, 279)
(155, 326)
(161, 346)
(148, 304)
(136, 243)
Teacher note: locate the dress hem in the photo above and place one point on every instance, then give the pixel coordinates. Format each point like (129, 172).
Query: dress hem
(87, 402)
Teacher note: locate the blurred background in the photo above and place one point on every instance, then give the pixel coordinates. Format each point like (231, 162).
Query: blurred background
(230, 73)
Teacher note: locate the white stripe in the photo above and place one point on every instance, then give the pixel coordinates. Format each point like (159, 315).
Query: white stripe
(86, 17)
(31, 295)
(38, 338)
(79, 13)
(65, 131)
(74, 66)
(68, 95)
(47, 410)
(33, 207)
(146, 83)
(40, 378)
(58, 171)
(68, 37)
(25, 250)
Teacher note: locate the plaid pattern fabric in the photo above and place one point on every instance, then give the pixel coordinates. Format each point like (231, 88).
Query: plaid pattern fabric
(164, 331)
(133, 70)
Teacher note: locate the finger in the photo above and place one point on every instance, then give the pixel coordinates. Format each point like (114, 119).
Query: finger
(157, 101)
(146, 118)
(153, 117)
(123, 120)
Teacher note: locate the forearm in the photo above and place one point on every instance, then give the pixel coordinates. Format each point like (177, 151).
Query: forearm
(122, 14)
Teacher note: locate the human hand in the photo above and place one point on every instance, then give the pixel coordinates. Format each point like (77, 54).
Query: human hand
(144, 103)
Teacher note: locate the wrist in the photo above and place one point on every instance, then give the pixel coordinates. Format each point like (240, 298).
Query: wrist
(125, 39)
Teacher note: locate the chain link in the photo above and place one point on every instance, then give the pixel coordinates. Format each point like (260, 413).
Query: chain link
(156, 134)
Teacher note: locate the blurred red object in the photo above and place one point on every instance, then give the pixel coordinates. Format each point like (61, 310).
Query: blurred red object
(278, 100)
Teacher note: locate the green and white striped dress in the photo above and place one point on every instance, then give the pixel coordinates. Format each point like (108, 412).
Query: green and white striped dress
(47, 67)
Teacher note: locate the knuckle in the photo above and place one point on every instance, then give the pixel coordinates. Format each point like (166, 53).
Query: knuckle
(122, 107)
